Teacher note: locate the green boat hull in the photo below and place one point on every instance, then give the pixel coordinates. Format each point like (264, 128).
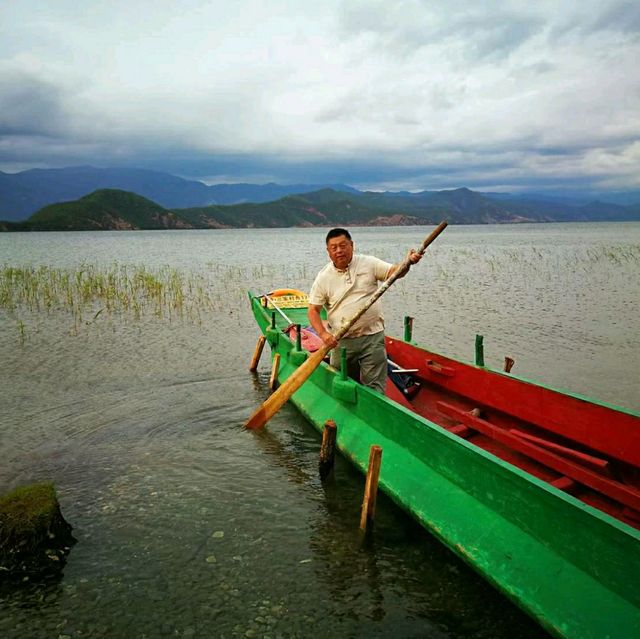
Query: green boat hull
(571, 567)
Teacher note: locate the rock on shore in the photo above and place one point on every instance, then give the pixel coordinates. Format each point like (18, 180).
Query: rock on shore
(35, 539)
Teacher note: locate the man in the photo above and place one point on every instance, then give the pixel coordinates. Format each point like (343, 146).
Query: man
(342, 287)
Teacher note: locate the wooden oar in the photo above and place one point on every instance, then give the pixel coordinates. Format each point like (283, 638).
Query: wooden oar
(265, 412)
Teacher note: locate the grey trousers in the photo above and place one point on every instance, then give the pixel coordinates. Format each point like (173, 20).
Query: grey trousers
(366, 359)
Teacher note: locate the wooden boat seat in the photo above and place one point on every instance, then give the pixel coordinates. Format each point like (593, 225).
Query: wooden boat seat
(461, 430)
(624, 494)
(564, 483)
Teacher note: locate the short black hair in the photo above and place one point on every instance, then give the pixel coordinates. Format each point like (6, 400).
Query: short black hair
(337, 233)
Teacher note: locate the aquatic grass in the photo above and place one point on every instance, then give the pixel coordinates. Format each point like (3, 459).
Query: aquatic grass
(21, 331)
(89, 289)
(92, 293)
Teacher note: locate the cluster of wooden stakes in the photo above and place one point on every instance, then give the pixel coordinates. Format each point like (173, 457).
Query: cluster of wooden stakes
(281, 394)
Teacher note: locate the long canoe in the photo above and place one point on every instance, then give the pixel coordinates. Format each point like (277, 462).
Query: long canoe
(537, 489)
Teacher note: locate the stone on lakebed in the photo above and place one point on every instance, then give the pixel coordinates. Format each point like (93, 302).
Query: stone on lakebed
(35, 539)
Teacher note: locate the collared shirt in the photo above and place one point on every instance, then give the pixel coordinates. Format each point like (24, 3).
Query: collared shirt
(344, 293)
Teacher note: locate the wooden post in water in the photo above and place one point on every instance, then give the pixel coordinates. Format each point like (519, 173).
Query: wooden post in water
(273, 380)
(371, 489)
(508, 364)
(256, 354)
(328, 448)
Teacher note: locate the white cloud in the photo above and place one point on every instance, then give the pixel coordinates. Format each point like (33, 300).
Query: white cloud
(411, 85)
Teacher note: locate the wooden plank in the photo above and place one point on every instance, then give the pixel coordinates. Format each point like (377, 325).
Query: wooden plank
(624, 494)
(590, 460)
(564, 483)
(460, 430)
(631, 514)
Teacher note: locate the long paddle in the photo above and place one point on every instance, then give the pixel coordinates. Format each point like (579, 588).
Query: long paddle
(269, 408)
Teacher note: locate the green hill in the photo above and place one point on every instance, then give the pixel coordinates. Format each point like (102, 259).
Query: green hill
(320, 208)
(334, 208)
(111, 209)
(106, 209)
(458, 206)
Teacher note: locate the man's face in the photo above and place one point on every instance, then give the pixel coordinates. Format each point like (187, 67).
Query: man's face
(340, 251)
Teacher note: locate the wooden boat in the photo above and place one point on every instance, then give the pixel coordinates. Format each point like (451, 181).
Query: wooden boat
(537, 489)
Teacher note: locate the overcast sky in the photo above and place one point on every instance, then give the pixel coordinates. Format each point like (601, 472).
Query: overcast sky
(402, 94)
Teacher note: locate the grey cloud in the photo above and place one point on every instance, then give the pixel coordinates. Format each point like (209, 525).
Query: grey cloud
(533, 69)
(338, 113)
(455, 93)
(405, 120)
(30, 106)
(620, 16)
(495, 38)
(404, 27)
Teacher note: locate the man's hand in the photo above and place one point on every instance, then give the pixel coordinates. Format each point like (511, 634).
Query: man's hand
(328, 339)
(414, 257)
(319, 327)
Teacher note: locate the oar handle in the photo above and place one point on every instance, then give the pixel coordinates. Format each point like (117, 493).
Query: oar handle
(401, 270)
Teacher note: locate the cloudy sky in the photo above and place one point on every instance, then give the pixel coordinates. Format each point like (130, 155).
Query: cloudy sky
(403, 94)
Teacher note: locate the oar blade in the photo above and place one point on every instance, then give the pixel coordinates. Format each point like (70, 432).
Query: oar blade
(258, 419)
(280, 397)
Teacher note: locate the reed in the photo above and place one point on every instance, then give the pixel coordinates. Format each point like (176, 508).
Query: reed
(91, 293)
(119, 289)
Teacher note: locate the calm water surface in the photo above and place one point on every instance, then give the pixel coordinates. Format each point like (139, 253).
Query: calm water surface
(189, 526)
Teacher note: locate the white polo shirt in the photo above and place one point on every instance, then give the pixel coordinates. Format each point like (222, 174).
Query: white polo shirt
(344, 293)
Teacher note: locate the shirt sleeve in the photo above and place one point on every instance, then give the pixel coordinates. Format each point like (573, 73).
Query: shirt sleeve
(381, 268)
(317, 295)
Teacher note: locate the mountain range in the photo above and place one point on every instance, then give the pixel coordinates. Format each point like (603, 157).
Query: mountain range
(22, 194)
(114, 209)
(90, 197)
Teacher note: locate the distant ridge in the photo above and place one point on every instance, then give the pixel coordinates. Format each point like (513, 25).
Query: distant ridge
(22, 194)
(113, 209)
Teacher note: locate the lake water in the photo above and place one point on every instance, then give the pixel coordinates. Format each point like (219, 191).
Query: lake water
(189, 526)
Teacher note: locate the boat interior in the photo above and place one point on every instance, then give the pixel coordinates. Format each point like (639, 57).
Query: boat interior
(585, 449)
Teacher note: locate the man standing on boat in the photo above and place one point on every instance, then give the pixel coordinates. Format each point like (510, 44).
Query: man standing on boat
(342, 287)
